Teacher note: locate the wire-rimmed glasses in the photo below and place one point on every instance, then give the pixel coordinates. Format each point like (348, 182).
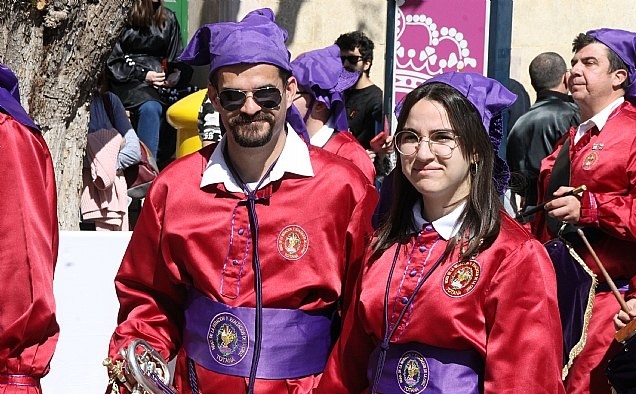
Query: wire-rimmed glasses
(441, 142)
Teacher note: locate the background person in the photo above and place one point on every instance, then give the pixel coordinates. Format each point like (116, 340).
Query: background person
(143, 60)
(363, 100)
(112, 146)
(535, 133)
(252, 241)
(28, 246)
(439, 305)
(320, 104)
(599, 153)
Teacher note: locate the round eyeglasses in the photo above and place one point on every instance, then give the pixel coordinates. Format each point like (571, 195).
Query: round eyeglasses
(268, 97)
(441, 143)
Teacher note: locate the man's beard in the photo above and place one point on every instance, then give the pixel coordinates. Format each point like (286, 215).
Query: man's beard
(248, 134)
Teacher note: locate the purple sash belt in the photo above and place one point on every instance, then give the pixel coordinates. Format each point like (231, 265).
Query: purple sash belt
(221, 338)
(415, 368)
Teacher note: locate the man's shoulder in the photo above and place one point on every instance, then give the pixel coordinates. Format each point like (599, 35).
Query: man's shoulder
(553, 108)
(344, 137)
(194, 162)
(371, 90)
(551, 101)
(626, 112)
(330, 165)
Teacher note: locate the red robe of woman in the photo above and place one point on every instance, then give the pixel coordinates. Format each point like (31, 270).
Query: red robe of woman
(499, 306)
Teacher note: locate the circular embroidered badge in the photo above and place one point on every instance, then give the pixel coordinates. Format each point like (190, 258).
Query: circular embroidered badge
(590, 159)
(412, 372)
(228, 339)
(293, 242)
(461, 278)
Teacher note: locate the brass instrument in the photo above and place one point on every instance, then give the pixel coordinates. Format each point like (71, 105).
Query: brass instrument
(143, 370)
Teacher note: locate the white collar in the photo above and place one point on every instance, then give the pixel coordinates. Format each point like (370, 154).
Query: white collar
(598, 120)
(294, 158)
(322, 136)
(446, 226)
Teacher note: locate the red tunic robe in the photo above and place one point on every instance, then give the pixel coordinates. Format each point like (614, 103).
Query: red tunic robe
(28, 252)
(200, 237)
(605, 162)
(505, 311)
(344, 144)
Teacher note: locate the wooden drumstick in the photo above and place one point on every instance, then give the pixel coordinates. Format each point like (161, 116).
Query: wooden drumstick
(629, 330)
(532, 211)
(608, 279)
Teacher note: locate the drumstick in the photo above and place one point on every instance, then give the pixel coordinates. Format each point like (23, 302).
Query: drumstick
(539, 207)
(608, 279)
(628, 331)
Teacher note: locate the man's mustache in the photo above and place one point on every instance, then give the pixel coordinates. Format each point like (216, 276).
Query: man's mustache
(243, 119)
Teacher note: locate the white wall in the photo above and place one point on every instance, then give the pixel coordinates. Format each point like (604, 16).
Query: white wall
(86, 310)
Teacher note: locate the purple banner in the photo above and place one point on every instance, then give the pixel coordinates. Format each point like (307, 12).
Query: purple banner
(436, 36)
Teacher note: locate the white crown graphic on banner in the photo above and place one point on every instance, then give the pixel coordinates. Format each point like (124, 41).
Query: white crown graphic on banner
(435, 51)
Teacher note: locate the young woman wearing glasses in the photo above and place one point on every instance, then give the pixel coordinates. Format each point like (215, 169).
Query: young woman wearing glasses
(455, 296)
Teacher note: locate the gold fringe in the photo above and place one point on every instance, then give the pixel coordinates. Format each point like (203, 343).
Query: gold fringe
(578, 347)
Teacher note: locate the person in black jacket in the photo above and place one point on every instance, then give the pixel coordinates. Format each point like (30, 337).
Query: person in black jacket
(144, 63)
(534, 134)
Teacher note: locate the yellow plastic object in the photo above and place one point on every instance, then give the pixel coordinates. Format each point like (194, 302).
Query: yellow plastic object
(183, 116)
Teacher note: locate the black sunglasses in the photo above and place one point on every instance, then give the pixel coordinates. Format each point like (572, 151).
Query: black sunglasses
(267, 97)
(353, 59)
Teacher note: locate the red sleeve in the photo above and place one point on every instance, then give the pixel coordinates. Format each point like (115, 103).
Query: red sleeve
(522, 320)
(28, 251)
(359, 232)
(147, 285)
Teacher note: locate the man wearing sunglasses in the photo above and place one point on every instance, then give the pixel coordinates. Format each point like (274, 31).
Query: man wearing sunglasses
(247, 250)
(364, 99)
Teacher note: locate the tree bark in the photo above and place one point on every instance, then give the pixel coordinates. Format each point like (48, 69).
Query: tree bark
(57, 48)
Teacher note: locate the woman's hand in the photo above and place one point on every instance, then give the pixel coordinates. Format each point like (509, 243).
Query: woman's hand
(155, 78)
(172, 79)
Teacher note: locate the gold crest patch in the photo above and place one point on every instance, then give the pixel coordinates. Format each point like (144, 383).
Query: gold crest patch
(293, 242)
(590, 159)
(461, 278)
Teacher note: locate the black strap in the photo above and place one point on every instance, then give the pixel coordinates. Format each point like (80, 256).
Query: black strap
(258, 282)
(560, 176)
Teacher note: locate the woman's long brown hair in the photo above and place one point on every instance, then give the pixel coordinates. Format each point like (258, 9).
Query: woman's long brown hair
(144, 14)
(480, 217)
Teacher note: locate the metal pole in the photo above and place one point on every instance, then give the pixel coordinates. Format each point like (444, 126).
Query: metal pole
(389, 58)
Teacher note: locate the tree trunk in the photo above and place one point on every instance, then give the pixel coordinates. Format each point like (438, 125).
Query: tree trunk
(57, 48)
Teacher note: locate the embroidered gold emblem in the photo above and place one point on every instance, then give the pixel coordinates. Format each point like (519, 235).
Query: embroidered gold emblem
(293, 242)
(412, 373)
(461, 278)
(590, 159)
